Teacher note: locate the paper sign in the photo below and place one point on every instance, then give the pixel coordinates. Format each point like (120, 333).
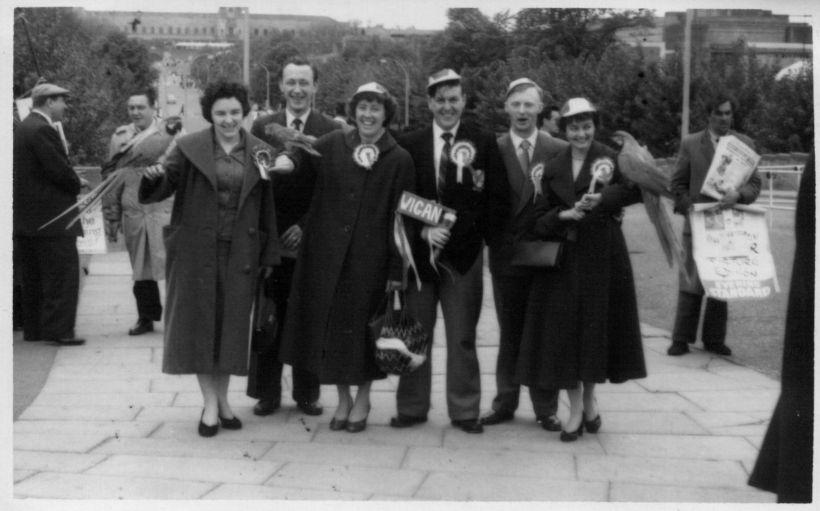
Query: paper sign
(93, 239)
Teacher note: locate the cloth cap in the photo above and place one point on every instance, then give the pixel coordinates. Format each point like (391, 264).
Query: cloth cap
(515, 83)
(445, 75)
(47, 89)
(575, 106)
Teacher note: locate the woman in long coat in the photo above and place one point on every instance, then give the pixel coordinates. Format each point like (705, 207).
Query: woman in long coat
(348, 255)
(222, 230)
(581, 325)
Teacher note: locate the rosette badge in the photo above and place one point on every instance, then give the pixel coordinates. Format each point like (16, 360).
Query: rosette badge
(366, 155)
(462, 154)
(536, 174)
(602, 170)
(264, 160)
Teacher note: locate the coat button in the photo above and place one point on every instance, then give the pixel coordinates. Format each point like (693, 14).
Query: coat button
(252, 231)
(247, 268)
(347, 228)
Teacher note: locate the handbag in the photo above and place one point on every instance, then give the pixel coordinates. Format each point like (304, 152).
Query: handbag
(540, 254)
(401, 341)
(264, 321)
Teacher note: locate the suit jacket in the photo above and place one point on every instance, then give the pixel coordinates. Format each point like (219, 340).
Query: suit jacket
(45, 184)
(481, 212)
(521, 191)
(293, 192)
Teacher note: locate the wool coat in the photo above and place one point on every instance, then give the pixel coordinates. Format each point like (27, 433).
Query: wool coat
(345, 259)
(191, 251)
(582, 318)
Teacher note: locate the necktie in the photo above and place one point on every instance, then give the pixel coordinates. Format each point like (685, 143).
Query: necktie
(444, 161)
(524, 156)
(297, 124)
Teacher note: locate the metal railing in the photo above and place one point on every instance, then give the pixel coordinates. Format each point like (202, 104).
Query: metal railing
(770, 172)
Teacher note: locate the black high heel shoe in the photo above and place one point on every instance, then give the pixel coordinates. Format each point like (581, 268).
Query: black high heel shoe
(205, 430)
(571, 436)
(232, 423)
(594, 425)
(338, 424)
(358, 426)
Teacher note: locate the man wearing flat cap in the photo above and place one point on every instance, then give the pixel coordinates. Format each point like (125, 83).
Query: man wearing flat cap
(525, 150)
(458, 165)
(45, 185)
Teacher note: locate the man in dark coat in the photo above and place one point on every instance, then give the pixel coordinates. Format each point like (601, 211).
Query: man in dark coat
(45, 185)
(694, 159)
(479, 194)
(292, 193)
(525, 150)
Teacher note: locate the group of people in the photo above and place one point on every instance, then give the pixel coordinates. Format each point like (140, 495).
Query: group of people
(214, 211)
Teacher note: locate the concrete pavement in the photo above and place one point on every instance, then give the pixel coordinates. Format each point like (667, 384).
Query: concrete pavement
(109, 425)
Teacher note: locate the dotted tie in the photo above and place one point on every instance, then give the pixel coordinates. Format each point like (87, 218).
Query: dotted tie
(444, 163)
(297, 124)
(524, 156)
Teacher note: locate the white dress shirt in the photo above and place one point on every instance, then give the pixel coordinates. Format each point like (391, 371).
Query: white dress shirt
(289, 117)
(438, 143)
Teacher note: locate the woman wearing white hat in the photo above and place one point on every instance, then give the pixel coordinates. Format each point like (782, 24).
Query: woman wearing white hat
(348, 254)
(582, 320)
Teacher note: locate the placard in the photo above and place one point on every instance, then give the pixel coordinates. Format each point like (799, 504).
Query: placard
(93, 239)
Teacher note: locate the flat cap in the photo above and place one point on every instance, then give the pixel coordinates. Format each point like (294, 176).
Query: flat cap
(444, 75)
(47, 89)
(519, 81)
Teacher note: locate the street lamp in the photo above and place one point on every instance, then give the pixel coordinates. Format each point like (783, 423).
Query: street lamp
(406, 90)
(267, 86)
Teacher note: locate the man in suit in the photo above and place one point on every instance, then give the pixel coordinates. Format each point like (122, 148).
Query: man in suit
(694, 158)
(479, 195)
(548, 121)
(133, 147)
(45, 185)
(525, 149)
(292, 194)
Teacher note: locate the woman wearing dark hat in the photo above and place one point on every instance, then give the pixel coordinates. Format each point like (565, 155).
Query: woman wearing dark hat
(348, 255)
(582, 319)
(222, 230)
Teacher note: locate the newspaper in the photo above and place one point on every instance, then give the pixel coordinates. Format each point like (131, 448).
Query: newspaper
(731, 251)
(731, 167)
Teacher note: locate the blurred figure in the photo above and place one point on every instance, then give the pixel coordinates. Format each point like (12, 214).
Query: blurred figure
(548, 121)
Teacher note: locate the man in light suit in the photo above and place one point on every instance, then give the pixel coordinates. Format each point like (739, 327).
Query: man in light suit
(694, 158)
(481, 202)
(292, 193)
(524, 150)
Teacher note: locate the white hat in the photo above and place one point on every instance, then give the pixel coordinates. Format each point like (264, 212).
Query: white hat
(47, 89)
(444, 75)
(373, 87)
(519, 81)
(575, 106)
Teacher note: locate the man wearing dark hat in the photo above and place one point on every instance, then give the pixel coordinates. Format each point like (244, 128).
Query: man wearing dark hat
(458, 165)
(292, 194)
(525, 150)
(44, 186)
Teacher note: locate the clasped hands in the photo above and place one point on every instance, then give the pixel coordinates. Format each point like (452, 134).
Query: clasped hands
(587, 203)
(436, 236)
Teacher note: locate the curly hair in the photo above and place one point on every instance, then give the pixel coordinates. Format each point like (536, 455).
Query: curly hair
(593, 116)
(389, 103)
(150, 94)
(223, 89)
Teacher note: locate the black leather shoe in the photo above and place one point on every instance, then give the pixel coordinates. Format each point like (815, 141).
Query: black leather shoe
(205, 430)
(309, 408)
(265, 407)
(468, 425)
(497, 417)
(73, 341)
(143, 326)
(594, 425)
(357, 426)
(550, 423)
(677, 349)
(718, 349)
(232, 423)
(405, 421)
(567, 436)
(337, 424)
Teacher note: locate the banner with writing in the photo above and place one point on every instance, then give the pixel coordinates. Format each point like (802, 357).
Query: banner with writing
(93, 240)
(425, 210)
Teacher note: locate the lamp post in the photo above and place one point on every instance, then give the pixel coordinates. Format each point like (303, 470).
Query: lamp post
(267, 86)
(406, 90)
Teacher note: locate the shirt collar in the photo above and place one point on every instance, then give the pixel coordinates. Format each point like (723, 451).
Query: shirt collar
(137, 130)
(437, 131)
(44, 115)
(289, 117)
(516, 139)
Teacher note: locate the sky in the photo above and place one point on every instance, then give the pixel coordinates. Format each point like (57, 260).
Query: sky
(420, 14)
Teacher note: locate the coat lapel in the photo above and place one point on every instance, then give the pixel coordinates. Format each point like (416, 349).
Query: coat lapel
(706, 147)
(584, 177)
(515, 176)
(251, 176)
(562, 183)
(199, 149)
(425, 157)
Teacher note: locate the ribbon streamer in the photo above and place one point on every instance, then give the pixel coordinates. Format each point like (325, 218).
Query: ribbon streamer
(403, 246)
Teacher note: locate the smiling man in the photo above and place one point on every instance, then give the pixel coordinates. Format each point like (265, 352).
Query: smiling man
(476, 189)
(525, 150)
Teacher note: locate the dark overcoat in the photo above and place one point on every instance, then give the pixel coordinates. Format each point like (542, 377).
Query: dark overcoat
(345, 260)
(191, 251)
(582, 319)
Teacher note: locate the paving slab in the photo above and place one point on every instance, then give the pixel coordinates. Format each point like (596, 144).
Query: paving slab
(92, 413)
(701, 447)
(187, 469)
(255, 492)
(203, 448)
(58, 442)
(658, 402)
(688, 380)
(82, 427)
(42, 461)
(135, 399)
(58, 386)
(628, 492)
(92, 357)
(235, 398)
(516, 437)
(422, 435)
(672, 423)
(734, 400)
(555, 466)
(347, 479)
(360, 455)
(252, 430)
(21, 475)
(492, 487)
(51, 485)
(663, 471)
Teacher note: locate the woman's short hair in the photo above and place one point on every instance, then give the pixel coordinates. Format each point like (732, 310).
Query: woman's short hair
(389, 103)
(564, 121)
(223, 89)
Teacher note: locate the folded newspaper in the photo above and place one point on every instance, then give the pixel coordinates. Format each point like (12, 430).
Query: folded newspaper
(732, 166)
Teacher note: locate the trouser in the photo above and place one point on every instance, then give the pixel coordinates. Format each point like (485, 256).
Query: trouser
(460, 297)
(687, 318)
(266, 381)
(149, 306)
(511, 293)
(50, 274)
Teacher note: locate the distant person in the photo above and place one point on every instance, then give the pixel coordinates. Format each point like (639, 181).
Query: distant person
(523, 148)
(133, 147)
(341, 117)
(694, 158)
(784, 464)
(44, 185)
(548, 121)
(298, 83)
(222, 235)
